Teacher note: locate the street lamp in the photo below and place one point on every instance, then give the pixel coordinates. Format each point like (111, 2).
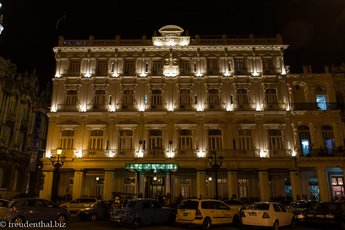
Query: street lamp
(57, 162)
(215, 163)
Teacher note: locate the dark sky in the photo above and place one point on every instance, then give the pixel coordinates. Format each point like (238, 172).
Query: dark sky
(313, 29)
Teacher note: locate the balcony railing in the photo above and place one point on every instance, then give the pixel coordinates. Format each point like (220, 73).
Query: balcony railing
(312, 106)
(321, 152)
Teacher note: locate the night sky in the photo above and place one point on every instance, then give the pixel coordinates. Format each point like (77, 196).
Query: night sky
(313, 29)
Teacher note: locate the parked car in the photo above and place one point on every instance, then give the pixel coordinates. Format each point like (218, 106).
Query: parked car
(237, 204)
(35, 209)
(267, 214)
(205, 213)
(3, 207)
(74, 206)
(143, 211)
(99, 210)
(299, 208)
(328, 214)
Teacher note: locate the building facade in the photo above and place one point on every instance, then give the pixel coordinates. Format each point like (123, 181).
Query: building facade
(148, 116)
(23, 131)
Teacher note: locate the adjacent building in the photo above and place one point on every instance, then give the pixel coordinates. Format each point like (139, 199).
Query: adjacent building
(177, 115)
(23, 131)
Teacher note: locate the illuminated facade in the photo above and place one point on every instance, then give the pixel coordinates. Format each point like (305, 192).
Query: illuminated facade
(143, 116)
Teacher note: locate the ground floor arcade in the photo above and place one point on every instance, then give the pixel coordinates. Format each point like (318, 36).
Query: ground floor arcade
(320, 183)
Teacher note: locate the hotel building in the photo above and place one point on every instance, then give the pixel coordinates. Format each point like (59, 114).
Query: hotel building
(151, 115)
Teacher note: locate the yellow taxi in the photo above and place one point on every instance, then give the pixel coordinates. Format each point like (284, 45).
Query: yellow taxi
(205, 212)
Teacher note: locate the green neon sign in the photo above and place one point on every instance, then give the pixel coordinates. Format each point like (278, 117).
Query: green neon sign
(149, 167)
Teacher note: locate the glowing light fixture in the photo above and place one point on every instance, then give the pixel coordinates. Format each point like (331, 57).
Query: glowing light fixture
(1, 26)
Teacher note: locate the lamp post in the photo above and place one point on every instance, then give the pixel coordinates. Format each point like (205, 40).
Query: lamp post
(57, 161)
(215, 163)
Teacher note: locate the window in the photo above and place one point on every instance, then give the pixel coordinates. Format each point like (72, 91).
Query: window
(156, 97)
(184, 67)
(185, 97)
(126, 139)
(243, 188)
(212, 66)
(128, 97)
(321, 98)
(321, 102)
(239, 66)
(213, 97)
(245, 139)
(215, 139)
(100, 97)
(185, 139)
(155, 139)
(129, 67)
(96, 139)
(304, 138)
(276, 208)
(71, 97)
(67, 139)
(102, 67)
(267, 65)
(328, 138)
(275, 139)
(242, 97)
(157, 68)
(74, 68)
(271, 96)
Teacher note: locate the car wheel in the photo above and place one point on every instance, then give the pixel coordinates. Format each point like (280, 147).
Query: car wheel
(293, 223)
(276, 225)
(236, 221)
(93, 217)
(207, 223)
(18, 219)
(136, 223)
(61, 219)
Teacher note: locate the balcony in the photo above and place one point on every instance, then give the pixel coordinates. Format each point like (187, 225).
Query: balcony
(312, 106)
(321, 152)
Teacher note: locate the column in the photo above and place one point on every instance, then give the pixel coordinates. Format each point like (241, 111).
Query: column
(167, 183)
(47, 185)
(108, 184)
(141, 184)
(263, 186)
(295, 181)
(323, 184)
(77, 184)
(232, 185)
(200, 183)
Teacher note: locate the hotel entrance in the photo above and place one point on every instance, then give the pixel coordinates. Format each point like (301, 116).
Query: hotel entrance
(155, 186)
(152, 178)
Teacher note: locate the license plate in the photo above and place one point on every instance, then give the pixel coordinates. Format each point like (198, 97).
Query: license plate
(185, 214)
(252, 213)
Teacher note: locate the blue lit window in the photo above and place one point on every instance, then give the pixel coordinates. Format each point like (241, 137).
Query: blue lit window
(321, 102)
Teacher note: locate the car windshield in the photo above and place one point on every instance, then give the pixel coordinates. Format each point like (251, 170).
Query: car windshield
(259, 206)
(189, 204)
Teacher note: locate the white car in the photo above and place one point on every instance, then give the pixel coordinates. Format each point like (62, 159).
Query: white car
(267, 214)
(205, 212)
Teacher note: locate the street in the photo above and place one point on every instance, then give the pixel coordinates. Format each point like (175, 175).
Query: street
(106, 225)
